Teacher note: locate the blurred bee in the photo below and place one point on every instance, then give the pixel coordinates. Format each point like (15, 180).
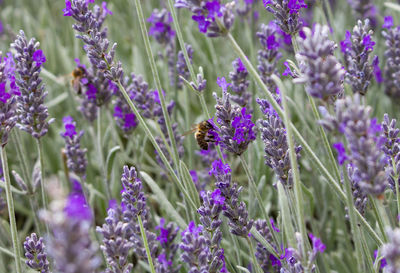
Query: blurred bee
(201, 134)
(77, 74)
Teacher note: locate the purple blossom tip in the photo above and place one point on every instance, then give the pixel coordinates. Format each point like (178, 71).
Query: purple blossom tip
(69, 125)
(221, 81)
(39, 57)
(68, 8)
(217, 198)
(341, 157)
(218, 167)
(318, 246)
(388, 22)
(76, 208)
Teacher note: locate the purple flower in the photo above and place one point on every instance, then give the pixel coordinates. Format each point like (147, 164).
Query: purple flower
(383, 261)
(68, 8)
(388, 22)
(391, 250)
(317, 244)
(76, 159)
(287, 13)
(392, 65)
(321, 71)
(35, 254)
(223, 83)
(39, 57)
(160, 27)
(288, 70)
(217, 198)
(341, 157)
(165, 259)
(219, 167)
(105, 9)
(240, 84)
(271, 220)
(32, 112)
(377, 70)
(202, 22)
(345, 44)
(368, 43)
(77, 208)
(264, 257)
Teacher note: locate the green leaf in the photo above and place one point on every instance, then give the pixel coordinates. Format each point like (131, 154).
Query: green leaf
(189, 184)
(286, 220)
(394, 6)
(163, 200)
(110, 160)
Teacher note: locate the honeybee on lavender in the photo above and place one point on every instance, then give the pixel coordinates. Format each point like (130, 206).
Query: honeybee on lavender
(201, 134)
(77, 75)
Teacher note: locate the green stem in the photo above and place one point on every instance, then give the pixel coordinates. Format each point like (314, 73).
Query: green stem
(11, 213)
(42, 186)
(146, 129)
(321, 129)
(190, 67)
(353, 221)
(331, 181)
(146, 244)
(175, 155)
(253, 257)
(103, 171)
(380, 215)
(294, 166)
(24, 168)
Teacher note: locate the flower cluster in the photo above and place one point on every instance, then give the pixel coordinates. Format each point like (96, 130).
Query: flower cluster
(116, 245)
(365, 153)
(134, 202)
(391, 250)
(90, 24)
(267, 261)
(236, 130)
(273, 134)
(269, 55)
(31, 110)
(166, 238)
(293, 257)
(69, 220)
(76, 159)
(124, 117)
(194, 248)
(287, 13)
(35, 254)
(320, 70)
(390, 133)
(206, 13)
(240, 84)
(181, 67)
(392, 66)
(356, 49)
(233, 209)
(8, 117)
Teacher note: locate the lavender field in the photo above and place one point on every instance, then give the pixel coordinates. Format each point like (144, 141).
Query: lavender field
(200, 136)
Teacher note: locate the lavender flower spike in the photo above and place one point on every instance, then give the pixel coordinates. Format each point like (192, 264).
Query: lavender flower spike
(31, 110)
(240, 84)
(89, 23)
(273, 134)
(35, 254)
(391, 251)
(236, 130)
(356, 49)
(320, 70)
(392, 66)
(287, 13)
(116, 244)
(8, 117)
(234, 210)
(76, 160)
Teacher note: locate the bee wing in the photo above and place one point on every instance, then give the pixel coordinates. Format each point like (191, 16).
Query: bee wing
(189, 132)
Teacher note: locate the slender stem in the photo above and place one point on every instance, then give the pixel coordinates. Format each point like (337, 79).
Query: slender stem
(317, 117)
(294, 166)
(24, 168)
(103, 168)
(143, 123)
(42, 186)
(380, 215)
(11, 213)
(190, 67)
(146, 244)
(175, 155)
(253, 186)
(331, 181)
(353, 221)
(253, 257)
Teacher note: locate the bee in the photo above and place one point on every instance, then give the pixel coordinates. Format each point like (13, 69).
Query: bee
(201, 134)
(77, 74)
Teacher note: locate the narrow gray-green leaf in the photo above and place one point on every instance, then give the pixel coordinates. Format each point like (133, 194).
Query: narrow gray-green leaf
(286, 219)
(394, 6)
(165, 204)
(110, 160)
(243, 269)
(189, 184)
(264, 242)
